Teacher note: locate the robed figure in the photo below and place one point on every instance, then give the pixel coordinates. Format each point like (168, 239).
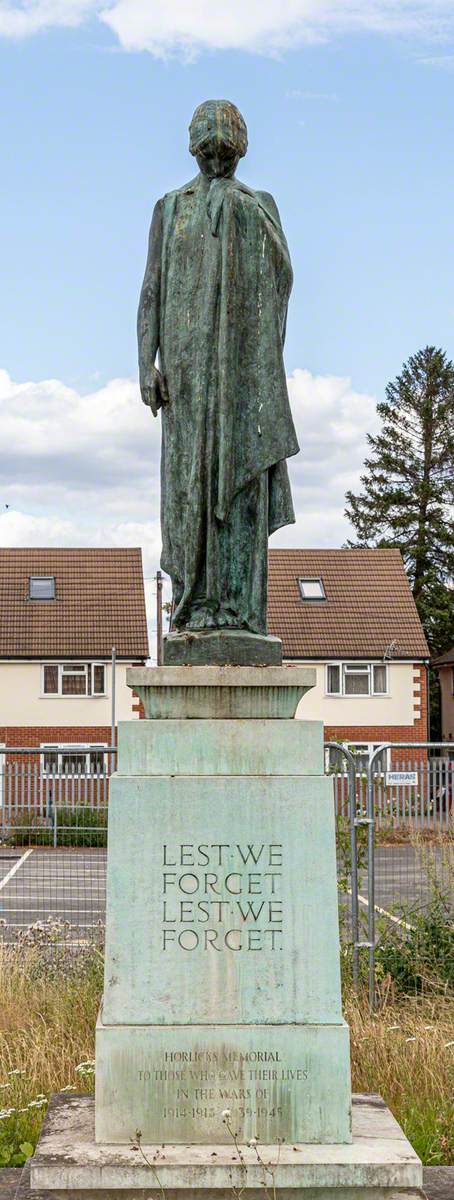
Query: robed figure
(214, 305)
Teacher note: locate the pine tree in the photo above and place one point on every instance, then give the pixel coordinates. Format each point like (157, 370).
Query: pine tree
(407, 495)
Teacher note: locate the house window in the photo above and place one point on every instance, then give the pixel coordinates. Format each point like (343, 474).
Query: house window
(356, 679)
(379, 679)
(41, 587)
(74, 761)
(362, 753)
(50, 679)
(74, 679)
(312, 589)
(337, 762)
(334, 679)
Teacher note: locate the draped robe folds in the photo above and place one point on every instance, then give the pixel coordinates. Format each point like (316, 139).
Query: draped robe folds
(214, 301)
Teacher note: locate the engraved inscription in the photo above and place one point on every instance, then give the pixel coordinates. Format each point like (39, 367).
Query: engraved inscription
(198, 1084)
(222, 896)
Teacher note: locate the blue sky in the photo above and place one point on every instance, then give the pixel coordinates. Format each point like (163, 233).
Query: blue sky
(350, 114)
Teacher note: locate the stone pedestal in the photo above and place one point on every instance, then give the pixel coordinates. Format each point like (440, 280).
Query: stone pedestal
(379, 1164)
(222, 985)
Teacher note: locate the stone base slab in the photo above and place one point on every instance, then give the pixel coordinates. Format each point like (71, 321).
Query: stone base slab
(289, 1079)
(380, 1164)
(233, 647)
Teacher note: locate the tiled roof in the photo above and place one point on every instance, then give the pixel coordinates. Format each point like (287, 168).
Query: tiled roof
(368, 608)
(444, 659)
(99, 603)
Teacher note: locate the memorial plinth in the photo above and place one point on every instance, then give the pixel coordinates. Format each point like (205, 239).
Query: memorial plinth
(222, 985)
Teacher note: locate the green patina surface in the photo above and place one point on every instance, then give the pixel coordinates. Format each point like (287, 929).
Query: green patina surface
(286, 1081)
(214, 303)
(212, 747)
(221, 900)
(222, 941)
(217, 692)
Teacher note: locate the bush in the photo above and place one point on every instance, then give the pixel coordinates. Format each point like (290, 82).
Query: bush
(82, 826)
(420, 955)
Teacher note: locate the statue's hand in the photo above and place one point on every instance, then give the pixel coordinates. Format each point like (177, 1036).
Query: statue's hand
(153, 390)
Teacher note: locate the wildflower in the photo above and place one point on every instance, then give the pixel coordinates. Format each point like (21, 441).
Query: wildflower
(252, 1142)
(16, 1072)
(6, 1112)
(411, 1039)
(447, 1044)
(226, 1114)
(391, 1028)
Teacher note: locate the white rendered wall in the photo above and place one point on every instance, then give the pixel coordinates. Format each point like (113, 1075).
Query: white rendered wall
(400, 707)
(22, 702)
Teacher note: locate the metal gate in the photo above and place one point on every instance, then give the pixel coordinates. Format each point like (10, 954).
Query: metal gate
(379, 795)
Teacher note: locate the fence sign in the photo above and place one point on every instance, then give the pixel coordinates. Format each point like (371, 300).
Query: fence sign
(407, 778)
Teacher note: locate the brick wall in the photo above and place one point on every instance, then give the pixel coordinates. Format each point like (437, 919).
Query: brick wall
(25, 783)
(26, 735)
(137, 706)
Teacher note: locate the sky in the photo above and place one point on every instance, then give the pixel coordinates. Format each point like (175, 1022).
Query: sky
(350, 108)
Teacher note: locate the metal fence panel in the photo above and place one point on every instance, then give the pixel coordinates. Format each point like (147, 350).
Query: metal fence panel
(53, 835)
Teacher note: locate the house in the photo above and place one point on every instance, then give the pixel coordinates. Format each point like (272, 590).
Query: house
(351, 615)
(61, 612)
(444, 665)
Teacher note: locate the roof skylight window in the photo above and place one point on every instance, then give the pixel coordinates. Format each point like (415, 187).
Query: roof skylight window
(41, 587)
(312, 589)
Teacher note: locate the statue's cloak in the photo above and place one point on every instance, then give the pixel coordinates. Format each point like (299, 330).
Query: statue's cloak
(218, 280)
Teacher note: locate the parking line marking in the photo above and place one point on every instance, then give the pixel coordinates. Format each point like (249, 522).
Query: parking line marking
(384, 912)
(13, 870)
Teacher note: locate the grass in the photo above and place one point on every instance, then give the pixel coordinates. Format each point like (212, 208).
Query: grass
(48, 1011)
(389, 834)
(406, 1053)
(47, 1021)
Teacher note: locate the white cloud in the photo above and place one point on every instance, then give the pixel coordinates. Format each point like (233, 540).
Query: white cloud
(84, 469)
(186, 27)
(80, 469)
(31, 16)
(332, 422)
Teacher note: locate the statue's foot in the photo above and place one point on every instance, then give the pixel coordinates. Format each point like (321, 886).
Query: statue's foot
(204, 618)
(201, 619)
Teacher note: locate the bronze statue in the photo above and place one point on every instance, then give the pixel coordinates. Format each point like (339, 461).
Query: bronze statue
(214, 304)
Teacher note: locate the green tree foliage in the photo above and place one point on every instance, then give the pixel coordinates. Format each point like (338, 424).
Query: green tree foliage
(407, 494)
